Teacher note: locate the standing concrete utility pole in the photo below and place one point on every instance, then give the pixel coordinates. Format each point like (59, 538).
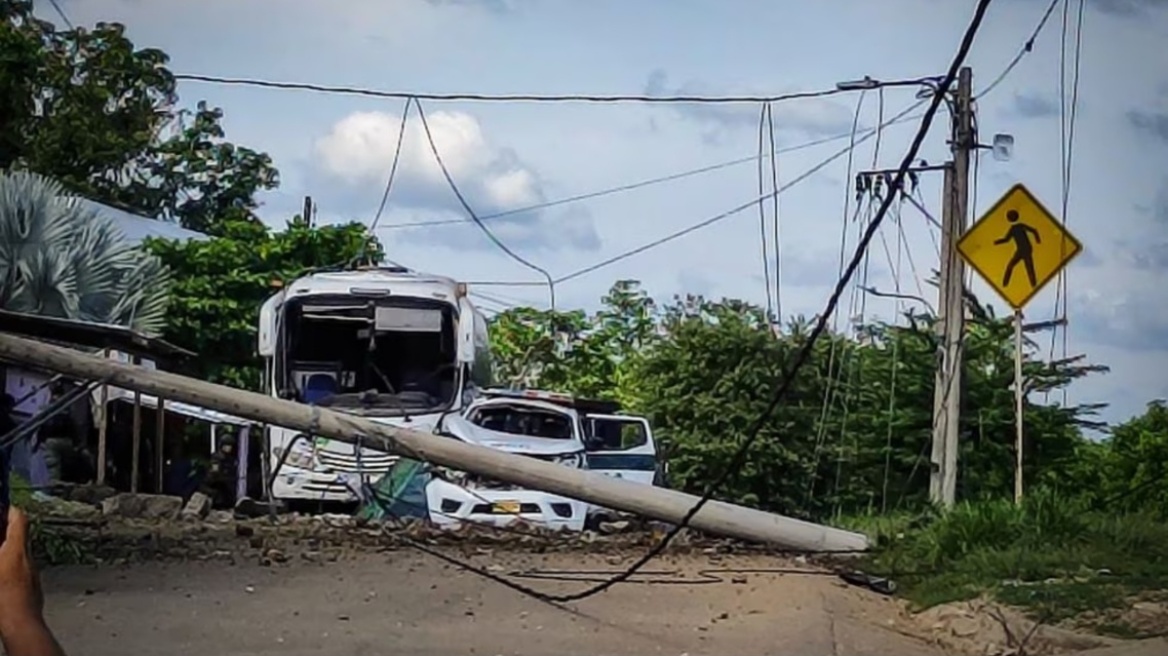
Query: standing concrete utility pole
(951, 322)
(715, 517)
(308, 211)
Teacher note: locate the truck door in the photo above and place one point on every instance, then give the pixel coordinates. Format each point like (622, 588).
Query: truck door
(621, 446)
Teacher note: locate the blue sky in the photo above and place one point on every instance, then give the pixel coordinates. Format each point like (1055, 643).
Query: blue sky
(337, 149)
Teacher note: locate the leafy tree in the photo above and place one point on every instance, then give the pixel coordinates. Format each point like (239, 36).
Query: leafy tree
(1134, 471)
(573, 351)
(60, 259)
(85, 107)
(853, 432)
(221, 283)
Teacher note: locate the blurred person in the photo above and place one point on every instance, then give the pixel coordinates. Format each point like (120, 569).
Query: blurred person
(22, 623)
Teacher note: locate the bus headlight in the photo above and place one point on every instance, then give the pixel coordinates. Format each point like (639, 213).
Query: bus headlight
(295, 457)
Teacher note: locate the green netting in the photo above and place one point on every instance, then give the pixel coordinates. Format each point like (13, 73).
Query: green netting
(401, 492)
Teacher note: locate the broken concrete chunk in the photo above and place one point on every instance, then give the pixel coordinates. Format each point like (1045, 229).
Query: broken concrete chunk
(142, 506)
(198, 506)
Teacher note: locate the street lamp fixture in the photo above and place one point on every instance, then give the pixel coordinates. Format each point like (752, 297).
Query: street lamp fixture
(858, 85)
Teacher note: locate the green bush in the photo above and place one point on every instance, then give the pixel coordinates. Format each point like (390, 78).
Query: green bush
(1052, 552)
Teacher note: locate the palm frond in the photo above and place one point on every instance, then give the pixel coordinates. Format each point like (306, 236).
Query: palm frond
(61, 258)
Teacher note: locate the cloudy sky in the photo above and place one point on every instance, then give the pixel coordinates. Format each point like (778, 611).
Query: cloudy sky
(509, 156)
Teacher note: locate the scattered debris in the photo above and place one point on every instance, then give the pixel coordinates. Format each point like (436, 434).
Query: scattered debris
(609, 528)
(874, 583)
(984, 627)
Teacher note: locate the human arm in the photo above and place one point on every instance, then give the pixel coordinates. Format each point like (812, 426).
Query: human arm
(1037, 237)
(22, 624)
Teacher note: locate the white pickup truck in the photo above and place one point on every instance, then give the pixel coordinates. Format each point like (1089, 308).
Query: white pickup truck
(547, 425)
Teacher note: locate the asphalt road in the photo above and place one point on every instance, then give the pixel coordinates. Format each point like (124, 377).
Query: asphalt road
(410, 604)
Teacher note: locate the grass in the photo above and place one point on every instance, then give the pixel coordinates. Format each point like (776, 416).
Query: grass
(49, 546)
(1052, 556)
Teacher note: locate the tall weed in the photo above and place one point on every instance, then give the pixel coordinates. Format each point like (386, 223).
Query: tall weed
(995, 545)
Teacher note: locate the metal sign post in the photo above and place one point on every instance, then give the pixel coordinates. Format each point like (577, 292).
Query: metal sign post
(1019, 407)
(1018, 247)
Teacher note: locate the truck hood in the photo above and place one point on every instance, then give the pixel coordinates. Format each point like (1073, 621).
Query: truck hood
(522, 444)
(422, 423)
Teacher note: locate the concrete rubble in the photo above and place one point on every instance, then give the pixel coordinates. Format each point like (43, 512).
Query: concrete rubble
(121, 527)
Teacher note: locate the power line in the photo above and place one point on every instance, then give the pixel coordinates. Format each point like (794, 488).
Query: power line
(762, 224)
(775, 225)
(801, 357)
(506, 283)
(474, 217)
(61, 12)
(541, 98)
(1068, 113)
(898, 118)
(1027, 47)
(642, 183)
(397, 150)
(731, 212)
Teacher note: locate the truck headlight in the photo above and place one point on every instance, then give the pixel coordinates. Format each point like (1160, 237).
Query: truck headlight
(573, 460)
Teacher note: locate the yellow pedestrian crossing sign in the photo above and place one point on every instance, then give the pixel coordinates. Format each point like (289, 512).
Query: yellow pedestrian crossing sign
(1018, 246)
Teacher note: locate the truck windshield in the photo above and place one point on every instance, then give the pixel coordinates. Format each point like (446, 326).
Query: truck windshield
(383, 356)
(520, 420)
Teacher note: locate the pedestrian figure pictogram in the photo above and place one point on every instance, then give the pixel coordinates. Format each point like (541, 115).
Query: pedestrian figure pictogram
(1018, 246)
(1020, 233)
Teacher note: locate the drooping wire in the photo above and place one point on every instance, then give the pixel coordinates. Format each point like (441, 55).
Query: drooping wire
(762, 218)
(1068, 113)
(804, 353)
(775, 230)
(830, 388)
(397, 151)
(785, 382)
(853, 362)
(551, 283)
(640, 184)
(857, 319)
(1027, 47)
(722, 216)
(731, 212)
(895, 266)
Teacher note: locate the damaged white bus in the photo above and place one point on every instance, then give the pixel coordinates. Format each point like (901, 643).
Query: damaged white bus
(397, 346)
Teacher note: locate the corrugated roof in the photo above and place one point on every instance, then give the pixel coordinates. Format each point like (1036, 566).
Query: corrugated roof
(84, 333)
(137, 228)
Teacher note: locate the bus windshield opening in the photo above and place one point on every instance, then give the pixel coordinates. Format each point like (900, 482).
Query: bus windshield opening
(382, 357)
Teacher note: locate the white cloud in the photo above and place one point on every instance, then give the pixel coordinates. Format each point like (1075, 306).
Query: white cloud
(358, 151)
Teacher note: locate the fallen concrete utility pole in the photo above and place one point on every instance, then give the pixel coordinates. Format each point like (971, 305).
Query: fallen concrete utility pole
(716, 517)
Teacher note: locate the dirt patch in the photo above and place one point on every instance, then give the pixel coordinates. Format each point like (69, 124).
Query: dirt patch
(991, 629)
(1138, 616)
